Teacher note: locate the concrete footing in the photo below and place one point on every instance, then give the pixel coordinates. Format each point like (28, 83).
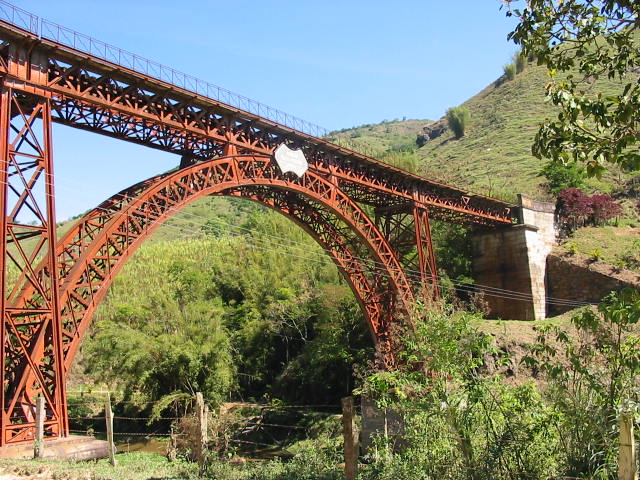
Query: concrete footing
(380, 422)
(68, 448)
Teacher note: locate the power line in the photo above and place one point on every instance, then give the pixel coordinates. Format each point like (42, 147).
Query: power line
(257, 242)
(413, 274)
(320, 258)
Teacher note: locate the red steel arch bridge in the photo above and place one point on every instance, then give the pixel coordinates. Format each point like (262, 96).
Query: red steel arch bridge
(372, 219)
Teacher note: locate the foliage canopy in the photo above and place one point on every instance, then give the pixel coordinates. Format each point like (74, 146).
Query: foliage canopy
(226, 315)
(581, 41)
(562, 176)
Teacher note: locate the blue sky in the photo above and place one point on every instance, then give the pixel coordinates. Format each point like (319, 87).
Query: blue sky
(334, 63)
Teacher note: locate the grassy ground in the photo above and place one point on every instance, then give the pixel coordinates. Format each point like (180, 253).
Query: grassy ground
(132, 466)
(617, 246)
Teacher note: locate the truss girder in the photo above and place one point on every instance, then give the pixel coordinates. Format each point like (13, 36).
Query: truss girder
(406, 227)
(424, 261)
(93, 94)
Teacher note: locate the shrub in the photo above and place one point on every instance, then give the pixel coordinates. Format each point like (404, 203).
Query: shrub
(573, 208)
(576, 209)
(604, 208)
(460, 420)
(509, 71)
(591, 376)
(572, 248)
(457, 119)
(520, 61)
(561, 176)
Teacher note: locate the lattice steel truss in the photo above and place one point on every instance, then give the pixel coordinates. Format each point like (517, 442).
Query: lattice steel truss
(31, 333)
(51, 289)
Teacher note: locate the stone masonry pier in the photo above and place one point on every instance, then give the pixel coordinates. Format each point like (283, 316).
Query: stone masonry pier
(514, 259)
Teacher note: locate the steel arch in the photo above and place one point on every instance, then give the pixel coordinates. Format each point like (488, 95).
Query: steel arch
(91, 253)
(45, 80)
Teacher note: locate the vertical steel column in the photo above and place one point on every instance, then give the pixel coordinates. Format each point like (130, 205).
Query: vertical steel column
(31, 334)
(406, 228)
(59, 386)
(426, 258)
(5, 118)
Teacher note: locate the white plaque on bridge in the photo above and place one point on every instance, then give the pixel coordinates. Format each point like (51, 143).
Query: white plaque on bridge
(291, 160)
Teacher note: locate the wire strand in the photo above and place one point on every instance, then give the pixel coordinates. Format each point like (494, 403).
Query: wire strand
(291, 244)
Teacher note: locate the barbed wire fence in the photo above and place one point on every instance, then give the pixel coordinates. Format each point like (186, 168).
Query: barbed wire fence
(241, 427)
(255, 429)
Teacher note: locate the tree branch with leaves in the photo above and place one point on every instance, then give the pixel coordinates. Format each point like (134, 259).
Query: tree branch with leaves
(581, 41)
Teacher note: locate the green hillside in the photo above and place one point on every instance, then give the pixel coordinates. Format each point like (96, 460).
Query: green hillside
(494, 156)
(393, 142)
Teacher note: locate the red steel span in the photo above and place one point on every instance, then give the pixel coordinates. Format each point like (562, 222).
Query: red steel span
(371, 218)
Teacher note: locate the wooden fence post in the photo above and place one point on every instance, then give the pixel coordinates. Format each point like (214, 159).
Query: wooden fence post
(627, 453)
(108, 415)
(38, 441)
(201, 444)
(350, 439)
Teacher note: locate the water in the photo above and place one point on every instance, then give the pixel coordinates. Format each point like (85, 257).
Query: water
(159, 446)
(149, 445)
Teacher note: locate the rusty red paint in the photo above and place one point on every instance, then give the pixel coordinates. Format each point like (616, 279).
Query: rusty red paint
(227, 152)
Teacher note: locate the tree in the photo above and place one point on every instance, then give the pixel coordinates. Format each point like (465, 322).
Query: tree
(562, 176)
(580, 41)
(457, 119)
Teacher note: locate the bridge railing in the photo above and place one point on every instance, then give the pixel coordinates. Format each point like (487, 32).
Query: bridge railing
(65, 36)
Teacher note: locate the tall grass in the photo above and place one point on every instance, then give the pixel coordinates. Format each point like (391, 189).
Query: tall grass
(510, 71)
(458, 119)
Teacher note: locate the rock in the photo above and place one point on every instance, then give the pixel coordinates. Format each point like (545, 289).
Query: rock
(435, 129)
(432, 131)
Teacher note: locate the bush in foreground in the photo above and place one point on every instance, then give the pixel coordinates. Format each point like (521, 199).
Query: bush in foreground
(461, 421)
